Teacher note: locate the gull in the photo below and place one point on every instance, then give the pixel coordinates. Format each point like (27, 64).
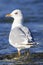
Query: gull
(20, 36)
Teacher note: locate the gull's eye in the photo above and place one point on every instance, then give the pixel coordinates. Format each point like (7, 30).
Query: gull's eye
(16, 12)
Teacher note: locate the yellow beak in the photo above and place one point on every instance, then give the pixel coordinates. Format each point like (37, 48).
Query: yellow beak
(8, 15)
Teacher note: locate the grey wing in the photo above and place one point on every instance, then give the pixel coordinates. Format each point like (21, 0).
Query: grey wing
(28, 33)
(30, 38)
(17, 35)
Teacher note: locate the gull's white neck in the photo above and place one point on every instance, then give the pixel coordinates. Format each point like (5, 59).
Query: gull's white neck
(16, 23)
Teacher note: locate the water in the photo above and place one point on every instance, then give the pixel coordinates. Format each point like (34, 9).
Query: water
(33, 19)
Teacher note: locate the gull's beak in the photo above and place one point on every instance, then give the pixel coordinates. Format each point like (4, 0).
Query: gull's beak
(8, 15)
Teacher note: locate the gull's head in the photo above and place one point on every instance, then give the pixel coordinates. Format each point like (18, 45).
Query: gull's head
(16, 14)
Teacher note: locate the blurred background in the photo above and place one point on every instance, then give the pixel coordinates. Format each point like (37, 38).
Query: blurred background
(32, 9)
(33, 18)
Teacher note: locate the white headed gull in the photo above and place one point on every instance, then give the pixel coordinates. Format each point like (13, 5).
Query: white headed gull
(20, 36)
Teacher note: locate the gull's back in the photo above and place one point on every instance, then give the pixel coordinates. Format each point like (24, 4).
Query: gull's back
(19, 36)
